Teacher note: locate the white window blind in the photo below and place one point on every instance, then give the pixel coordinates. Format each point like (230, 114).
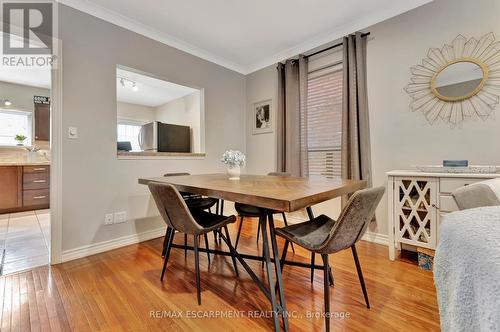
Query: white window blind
(324, 122)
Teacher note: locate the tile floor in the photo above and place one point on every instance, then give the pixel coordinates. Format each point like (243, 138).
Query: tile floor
(24, 240)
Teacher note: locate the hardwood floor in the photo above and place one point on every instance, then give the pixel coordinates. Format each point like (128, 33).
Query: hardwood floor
(121, 290)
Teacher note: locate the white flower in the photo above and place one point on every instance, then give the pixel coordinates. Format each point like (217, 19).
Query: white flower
(233, 158)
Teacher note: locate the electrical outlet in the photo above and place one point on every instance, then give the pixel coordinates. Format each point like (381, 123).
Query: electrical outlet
(120, 217)
(108, 219)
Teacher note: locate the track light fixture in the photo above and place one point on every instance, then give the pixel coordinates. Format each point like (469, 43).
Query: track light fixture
(126, 81)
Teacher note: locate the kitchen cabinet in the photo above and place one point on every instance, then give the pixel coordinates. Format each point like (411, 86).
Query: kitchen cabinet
(11, 183)
(24, 188)
(42, 122)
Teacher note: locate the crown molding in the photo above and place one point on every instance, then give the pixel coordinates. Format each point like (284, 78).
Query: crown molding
(125, 22)
(338, 32)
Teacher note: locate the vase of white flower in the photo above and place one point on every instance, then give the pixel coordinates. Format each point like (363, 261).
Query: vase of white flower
(233, 160)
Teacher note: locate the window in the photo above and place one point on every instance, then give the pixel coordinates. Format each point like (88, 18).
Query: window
(324, 121)
(14, 123)
(129, 132)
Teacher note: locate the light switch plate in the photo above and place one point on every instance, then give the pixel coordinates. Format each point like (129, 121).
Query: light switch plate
(72, 132)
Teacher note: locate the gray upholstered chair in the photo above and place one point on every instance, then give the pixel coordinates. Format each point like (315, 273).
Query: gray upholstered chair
(250, 211)
(484, 193)
(178, 217)
(325, 236)
(194, 202)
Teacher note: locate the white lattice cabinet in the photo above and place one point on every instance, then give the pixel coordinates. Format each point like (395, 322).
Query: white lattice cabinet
(416, 203)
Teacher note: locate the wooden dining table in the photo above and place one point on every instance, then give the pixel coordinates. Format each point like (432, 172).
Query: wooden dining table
(271, 194)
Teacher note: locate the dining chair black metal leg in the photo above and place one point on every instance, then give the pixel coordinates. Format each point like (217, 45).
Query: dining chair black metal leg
(258, 233)
(269, 271)
(221, 213)
(165, 241)
(263, 260)
(207, 247)
(277, 267)
(221, 207)
(326, 287)
(313, 259)
(360, 275)
(310, 214)
(239, 233)
(286, 224)
(185, 244)
(232, 256)
(197, 268)
(283, 255)
(167, 252)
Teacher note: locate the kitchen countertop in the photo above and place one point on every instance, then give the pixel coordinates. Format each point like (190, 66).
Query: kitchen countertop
(20, 158)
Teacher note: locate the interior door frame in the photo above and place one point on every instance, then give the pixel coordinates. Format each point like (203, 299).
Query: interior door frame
(56, 143)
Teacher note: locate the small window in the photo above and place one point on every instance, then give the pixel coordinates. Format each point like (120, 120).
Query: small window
(14, 123)
(129, 132)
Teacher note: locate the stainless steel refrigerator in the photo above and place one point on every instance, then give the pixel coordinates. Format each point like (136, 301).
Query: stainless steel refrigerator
(163, 137)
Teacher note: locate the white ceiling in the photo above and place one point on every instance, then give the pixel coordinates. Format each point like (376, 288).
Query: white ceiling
(39, 78)
(150, 92)
(245, 35)
(32, 76)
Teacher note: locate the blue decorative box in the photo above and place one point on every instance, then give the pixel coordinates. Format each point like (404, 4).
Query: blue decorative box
(425, 258)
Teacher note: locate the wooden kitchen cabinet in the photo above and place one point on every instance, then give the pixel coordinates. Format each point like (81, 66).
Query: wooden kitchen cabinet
(24, 188)
(42, 122)
(11, 187)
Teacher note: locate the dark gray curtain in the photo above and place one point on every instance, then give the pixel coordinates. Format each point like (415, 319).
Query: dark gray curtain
(291, 111)
(356, 153)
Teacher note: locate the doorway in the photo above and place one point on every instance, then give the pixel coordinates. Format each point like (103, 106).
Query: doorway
(26, 147)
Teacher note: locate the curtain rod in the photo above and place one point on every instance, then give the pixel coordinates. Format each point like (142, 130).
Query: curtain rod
(333, 46)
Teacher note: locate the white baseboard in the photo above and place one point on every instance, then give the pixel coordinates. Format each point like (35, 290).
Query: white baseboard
(378, 238)
(96, 248)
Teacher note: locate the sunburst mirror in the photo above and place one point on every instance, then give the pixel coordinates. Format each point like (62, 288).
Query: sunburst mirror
(459, 81)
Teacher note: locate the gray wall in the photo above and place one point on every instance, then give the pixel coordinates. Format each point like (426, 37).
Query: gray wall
(94, 181)
(401, 138)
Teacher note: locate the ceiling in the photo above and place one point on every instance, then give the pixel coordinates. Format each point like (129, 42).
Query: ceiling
(245, 35)
(150, 92)
(39, 78)
(32, 76)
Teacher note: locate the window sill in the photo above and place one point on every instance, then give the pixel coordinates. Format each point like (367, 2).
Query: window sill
(123, 155)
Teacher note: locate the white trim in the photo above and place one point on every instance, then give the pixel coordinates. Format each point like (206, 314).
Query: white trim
(123, 241)
(147, 31)
(56, 143)
(142, 29)
(376, 238)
